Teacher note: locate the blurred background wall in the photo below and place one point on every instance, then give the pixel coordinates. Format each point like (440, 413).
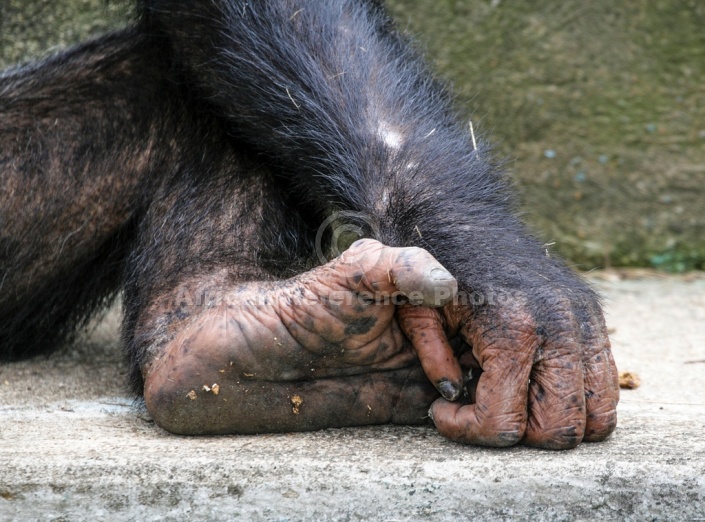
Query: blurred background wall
(599, 105)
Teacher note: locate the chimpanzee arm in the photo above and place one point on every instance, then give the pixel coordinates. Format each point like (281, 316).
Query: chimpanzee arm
(77, 137)
(333, 95)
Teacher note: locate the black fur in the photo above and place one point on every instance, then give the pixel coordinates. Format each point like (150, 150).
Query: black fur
(308, 85)
(73, 135)
(215, 136)
(95, 144)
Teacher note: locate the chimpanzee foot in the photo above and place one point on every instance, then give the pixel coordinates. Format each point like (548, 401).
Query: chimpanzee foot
(322, 349)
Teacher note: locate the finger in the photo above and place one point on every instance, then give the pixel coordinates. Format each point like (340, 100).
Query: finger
(601, 381)
(556, 402)
(412, 272)
(423, 327)
(499, 416)
(470, 367)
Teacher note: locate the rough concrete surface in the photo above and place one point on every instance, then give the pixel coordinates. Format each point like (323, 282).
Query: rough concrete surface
(73, 446)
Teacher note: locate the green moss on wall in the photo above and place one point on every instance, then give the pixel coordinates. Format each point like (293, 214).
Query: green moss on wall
(601, 103)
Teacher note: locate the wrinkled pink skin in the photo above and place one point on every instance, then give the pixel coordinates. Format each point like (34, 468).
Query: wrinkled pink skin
(336, 347)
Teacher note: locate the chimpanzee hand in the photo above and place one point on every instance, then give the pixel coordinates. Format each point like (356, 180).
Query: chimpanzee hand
(322, 349)
(546, 373)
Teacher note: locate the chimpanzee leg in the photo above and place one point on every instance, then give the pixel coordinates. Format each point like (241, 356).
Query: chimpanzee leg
(330, 93)
(77, 139)
(225, 347)
(103, 140)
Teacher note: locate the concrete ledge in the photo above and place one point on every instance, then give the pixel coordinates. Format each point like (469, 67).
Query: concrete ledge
(73, 447)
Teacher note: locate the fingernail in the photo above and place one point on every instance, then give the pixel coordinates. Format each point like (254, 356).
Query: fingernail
(441, 274)
(430, 413)
(449, 390)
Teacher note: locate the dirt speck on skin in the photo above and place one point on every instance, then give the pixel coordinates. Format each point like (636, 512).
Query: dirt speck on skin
(192, 395)
(629, 380)
(296, 402)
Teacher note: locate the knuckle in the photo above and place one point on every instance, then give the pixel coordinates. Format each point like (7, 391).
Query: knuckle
(562, 438)
(502, 431)
(600, 426)
(509, 436)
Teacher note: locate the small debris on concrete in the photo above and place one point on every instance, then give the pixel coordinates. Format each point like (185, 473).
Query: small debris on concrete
(629, 380)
